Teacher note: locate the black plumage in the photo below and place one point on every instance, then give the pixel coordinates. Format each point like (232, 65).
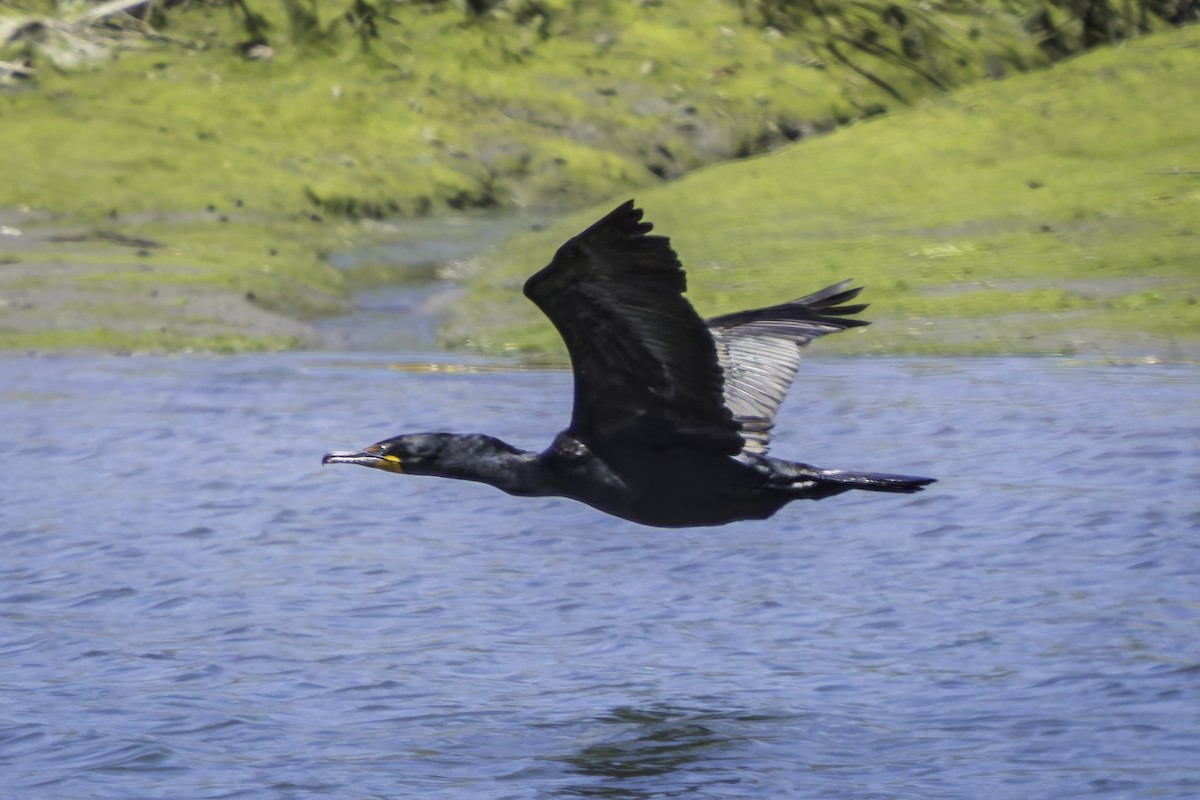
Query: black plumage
(672, 415)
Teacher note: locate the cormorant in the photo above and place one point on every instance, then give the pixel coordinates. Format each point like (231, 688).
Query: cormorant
(672, 415)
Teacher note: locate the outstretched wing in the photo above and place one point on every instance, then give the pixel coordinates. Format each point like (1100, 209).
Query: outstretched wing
(759, 352)
(646, 371)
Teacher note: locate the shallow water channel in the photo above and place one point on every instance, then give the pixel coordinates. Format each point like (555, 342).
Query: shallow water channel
(191, 607)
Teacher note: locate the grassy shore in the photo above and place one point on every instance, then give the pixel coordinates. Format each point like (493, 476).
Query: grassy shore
(1048, 213)
(244, 172)
(181, 194)
(440, 113)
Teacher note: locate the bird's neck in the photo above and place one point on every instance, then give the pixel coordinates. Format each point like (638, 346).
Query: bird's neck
(476, 457)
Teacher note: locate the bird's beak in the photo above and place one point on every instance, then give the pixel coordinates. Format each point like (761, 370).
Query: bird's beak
(363, 458)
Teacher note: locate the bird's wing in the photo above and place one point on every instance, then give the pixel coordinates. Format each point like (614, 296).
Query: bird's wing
(759, 352)
(646, 371)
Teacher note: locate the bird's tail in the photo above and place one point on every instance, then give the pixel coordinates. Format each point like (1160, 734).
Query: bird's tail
(872, 481)
(804, 480)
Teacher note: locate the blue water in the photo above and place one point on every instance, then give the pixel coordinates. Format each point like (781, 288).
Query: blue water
(191, 607)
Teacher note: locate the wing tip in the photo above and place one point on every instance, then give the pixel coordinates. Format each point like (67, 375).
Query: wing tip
(827, 307)
(830, 296)
(833, 304)
(628, 219)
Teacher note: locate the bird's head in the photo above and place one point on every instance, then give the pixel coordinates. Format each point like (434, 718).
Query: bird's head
(410, 453)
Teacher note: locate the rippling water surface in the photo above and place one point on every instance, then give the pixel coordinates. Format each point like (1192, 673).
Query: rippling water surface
(191, 607)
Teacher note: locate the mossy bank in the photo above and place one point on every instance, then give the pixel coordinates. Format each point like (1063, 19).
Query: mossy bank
(241, 147)
(438, 111)
(1049, 213)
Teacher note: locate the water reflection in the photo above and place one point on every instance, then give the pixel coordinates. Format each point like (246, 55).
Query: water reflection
(653, 751)
(652, 742)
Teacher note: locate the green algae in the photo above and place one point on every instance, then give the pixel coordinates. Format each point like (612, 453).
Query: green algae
(1000, 218)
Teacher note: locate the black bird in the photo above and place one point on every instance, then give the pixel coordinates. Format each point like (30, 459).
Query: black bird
(672, 414)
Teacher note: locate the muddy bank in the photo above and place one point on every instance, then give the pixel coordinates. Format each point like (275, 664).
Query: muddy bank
(202, 281)
(232, 280)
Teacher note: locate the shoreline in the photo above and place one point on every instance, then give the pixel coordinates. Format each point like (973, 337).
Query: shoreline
(201, 199)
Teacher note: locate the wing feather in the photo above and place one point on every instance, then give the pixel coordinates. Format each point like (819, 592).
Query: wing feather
(759, 352)
(645, 365)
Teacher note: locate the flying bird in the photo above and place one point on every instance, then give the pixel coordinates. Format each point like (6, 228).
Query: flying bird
(672, 415)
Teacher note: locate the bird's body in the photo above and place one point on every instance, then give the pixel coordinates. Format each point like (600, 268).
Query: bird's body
(672, 414)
